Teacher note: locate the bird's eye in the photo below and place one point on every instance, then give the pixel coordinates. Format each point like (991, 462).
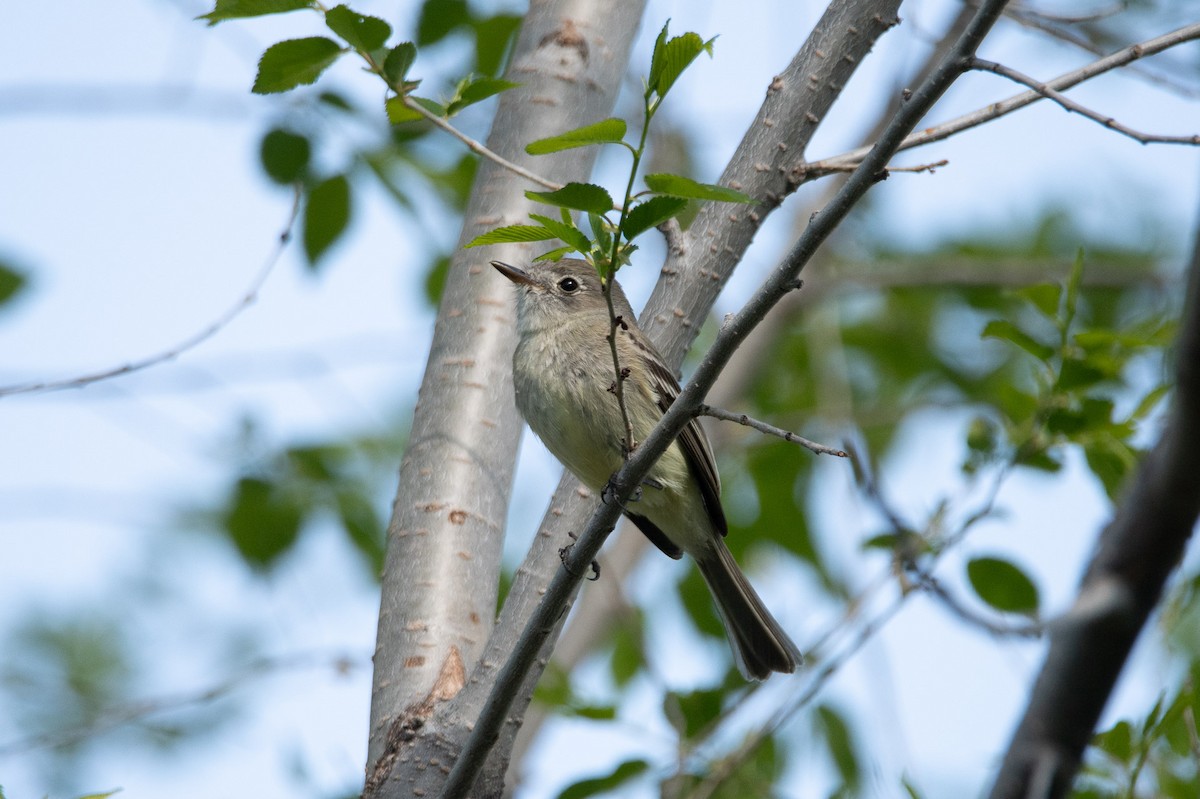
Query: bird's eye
(569, 285)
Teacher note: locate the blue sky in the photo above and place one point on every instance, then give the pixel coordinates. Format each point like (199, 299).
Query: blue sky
(141, 224)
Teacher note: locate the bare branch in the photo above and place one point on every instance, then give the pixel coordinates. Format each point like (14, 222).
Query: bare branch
(191, 342)
(996, 110)
(763, 427)
(1072, 106)
(623, 484)
(476, 147)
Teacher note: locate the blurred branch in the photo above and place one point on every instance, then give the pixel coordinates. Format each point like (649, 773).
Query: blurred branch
(996, 110)
(111, 99)
(771, 430)
(134, 712)
(1072, 106)
(1134, 555)
(193, 341)
(477, 147)
(1056, 27)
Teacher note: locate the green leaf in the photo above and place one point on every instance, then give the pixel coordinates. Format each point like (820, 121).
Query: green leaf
(510, 234)
(293, 63)
(576, 196)
(492, 38)
(671, 57)
(439, 18)
(363, 527)
(555, 254)
(477, 90)
(360, 31)
(261, 522)
(397, 63)
(841, 745)
(398, 112)
(285, 156)
(620, 775)
(11, 282)
(325, 216)
(1007, 331)
(233, 9)
(1077, 373)
(651, 213)
(1074, 281)
(679, 186)
(568, 233)
(1116, 742)
(1111, 461)
(1002, 585)
(696, 710)
(609, 131)
(1043, 296)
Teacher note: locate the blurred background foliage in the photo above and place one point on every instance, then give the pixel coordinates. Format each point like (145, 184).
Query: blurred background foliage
(1032, 342)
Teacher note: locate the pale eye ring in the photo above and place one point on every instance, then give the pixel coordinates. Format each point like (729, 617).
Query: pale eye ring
(569, 284)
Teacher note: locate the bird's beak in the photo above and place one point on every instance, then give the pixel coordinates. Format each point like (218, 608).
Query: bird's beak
(514, 274)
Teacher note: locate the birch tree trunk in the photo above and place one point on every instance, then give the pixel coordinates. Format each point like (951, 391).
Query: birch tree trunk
(441, 573)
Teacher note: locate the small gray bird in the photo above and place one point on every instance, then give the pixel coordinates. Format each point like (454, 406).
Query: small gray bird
(563, 373)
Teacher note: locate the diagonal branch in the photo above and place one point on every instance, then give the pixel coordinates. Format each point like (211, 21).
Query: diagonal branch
(623, 484)
(248, 297)
(1072, 106)
(995, 110)
(1135, 554)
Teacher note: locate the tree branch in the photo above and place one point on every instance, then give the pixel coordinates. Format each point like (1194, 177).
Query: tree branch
(1135, 554)
(996, 110)
(763, 427)
(1072, 106)
(624, 482)
(191, 342)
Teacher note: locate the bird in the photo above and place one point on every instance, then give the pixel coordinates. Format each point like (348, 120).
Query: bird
(565, 384)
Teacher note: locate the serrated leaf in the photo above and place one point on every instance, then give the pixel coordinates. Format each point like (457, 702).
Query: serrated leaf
(608, 783)
(397, 63)
(293, 63)
(284, 155)
(568, 233)
(234, 9)
(1002, 585)
(679, 186)
(360, 31)
(477, 90)
(398, 112)
(609, 131)
(511, 234)
(325, 216)
(555, 254)
(576, 196)
(651, 213)
(1007, 331)
(671, 57)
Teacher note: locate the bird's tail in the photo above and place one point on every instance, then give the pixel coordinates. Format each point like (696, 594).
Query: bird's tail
(760, 646)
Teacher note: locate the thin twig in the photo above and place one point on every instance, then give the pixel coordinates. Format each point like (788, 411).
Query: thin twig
(247, 298)
(477, 147)
(931, 585)
(139, 710)
(763, 427)
(1074, 107)
(995, 110)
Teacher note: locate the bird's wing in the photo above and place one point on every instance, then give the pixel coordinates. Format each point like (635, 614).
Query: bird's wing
(694, 444)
